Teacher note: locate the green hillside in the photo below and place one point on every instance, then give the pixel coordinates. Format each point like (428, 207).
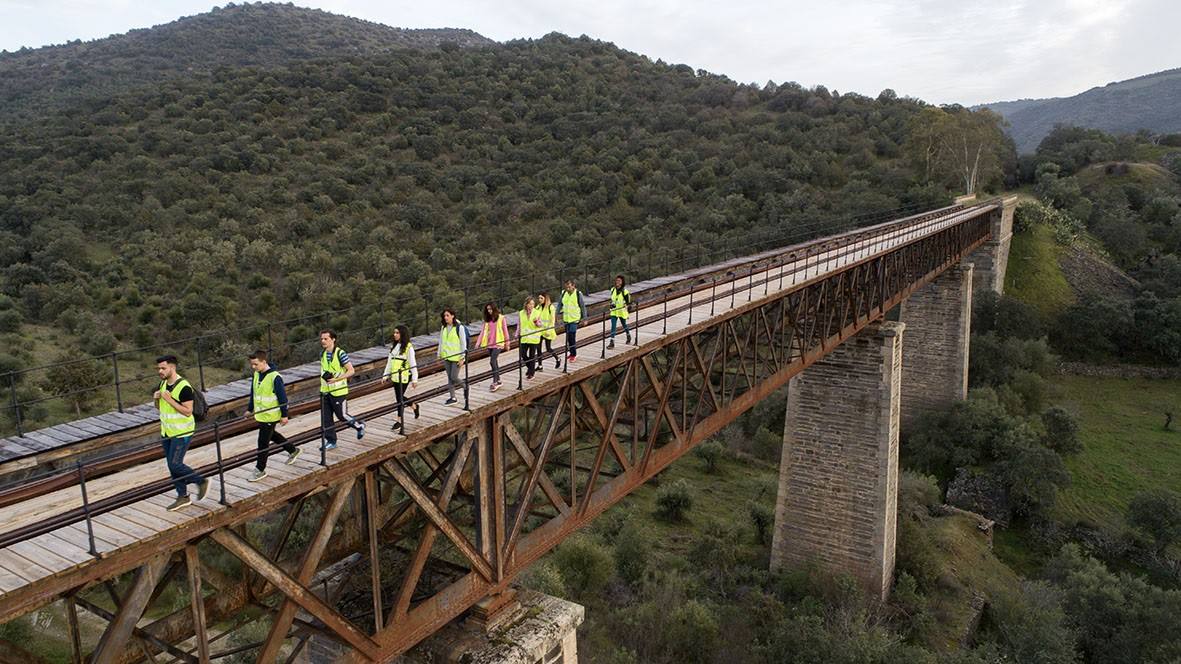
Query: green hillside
(244, 35)
(1150, 102)
(260, 194)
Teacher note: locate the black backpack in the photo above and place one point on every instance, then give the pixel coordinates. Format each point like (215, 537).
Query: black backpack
(200, 408)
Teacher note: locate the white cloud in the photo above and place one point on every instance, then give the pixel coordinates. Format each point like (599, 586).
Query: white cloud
(939, 50)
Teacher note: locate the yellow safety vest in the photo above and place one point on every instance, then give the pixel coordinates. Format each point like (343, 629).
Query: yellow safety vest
(332, 365)
(619, 302)
(398, 366)
(172, 423)
(497, 337)
(571, 312)
(530, 332)
(547, 322)
(266, 402)
(450, 343)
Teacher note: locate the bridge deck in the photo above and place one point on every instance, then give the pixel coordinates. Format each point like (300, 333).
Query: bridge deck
(140, 527)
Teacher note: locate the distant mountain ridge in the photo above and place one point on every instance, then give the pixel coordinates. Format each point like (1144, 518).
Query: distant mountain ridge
(1150, 102)
(244, 35)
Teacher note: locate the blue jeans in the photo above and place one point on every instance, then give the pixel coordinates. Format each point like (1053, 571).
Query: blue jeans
(621, 320)
(182, 475)
(572, 339)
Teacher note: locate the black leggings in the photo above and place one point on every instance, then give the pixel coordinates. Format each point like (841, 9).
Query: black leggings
(400, 397)
(267, 434)
(549, 350)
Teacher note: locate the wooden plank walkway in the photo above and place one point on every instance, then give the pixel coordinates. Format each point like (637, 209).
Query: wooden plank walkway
(66, 549)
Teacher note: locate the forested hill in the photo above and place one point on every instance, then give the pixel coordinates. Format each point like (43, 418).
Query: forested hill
(1151, 102)
(257, 194)
(246, 35)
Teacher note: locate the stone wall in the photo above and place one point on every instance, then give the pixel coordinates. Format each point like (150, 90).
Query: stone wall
(838, 478)
(938, 322)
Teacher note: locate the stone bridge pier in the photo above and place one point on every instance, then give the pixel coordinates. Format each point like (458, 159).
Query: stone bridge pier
(838, 476)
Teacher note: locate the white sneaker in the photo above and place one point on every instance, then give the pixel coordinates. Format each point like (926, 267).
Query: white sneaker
(257, 475)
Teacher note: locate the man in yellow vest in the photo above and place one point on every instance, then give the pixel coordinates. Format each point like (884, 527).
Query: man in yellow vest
(174, 397)
(335, 371)
(268, 403)
(572, 310)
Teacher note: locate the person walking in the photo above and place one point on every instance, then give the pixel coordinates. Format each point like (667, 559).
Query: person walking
(529, 330)
(549, 332)
(572, 310)
(494, 337)
(452, 350)
(268, 404)
(335, 370)
(400, 369)
(174, 398)
(621, 299)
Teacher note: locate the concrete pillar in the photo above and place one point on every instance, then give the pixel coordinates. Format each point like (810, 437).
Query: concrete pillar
(938, 320)
(838, 478)
(992, 258)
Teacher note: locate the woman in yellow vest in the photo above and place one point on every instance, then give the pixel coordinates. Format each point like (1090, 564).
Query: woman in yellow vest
(401, 369)
(452, 350)
(529, 329)
(621, 299)
(494, 337)
(549, 332)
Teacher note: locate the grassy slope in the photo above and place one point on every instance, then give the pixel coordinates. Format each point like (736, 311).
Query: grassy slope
(1095, 177)
(968, 565)
(1034, 274)
(1126, 448)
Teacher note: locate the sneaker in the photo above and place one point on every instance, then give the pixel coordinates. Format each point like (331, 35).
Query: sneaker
(541, 368)
(397, 425)
(416, 411)
(202, 489)
(330, 445)
(182, 501)
(449, 401)
(360, 430)
(292, 456)
(573, 358)
(629, 337)
(257, 475)
(611, 344)
(557, 364)
(528, 376)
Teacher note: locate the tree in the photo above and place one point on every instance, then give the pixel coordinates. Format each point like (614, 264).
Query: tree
(1157, 513)
(962, 148)
(76, 379)
(673, 501)
(711, 452)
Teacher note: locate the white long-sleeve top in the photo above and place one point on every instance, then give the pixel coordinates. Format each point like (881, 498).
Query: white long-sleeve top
(396, 352)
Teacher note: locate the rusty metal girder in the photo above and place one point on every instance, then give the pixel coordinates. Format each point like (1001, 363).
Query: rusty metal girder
(460, 515)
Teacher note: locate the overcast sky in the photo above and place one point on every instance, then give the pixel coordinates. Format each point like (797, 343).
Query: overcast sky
(965, 51)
